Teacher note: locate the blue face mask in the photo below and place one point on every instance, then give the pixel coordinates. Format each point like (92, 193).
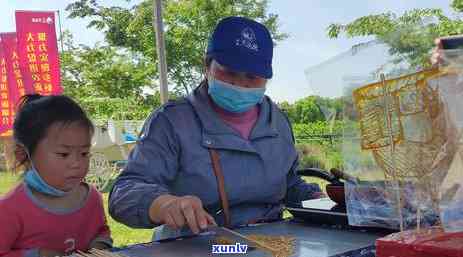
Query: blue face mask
(233, 98)
(33, 179)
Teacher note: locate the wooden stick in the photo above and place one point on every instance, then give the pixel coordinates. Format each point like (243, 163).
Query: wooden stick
(84, 253)
(99, 253)
(386, 95)
(104, 253)
(78, 255)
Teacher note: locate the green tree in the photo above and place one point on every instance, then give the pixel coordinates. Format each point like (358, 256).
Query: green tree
(105, 71)
(104, 108)
(188, 24)
(313, 109)
(107, 81)
(409, 36)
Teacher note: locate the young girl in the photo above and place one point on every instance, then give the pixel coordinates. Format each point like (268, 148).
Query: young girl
(53, 212)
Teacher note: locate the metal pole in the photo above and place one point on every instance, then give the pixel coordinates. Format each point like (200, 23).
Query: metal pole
(161, 51)
(60, 31)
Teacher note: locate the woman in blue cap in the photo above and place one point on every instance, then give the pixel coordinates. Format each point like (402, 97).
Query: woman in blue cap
(224, 154)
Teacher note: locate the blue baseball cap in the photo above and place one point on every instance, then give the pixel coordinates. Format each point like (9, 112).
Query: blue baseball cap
(242, 45)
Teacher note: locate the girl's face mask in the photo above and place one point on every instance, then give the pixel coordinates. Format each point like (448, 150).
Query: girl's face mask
(61, 159)
(32, 179)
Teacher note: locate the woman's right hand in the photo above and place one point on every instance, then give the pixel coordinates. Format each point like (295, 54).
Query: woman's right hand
(49, 253)
(176, 211)
(436, 55)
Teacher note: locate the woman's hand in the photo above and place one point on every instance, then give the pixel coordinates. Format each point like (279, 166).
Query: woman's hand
(177, 212)
(436, 56)
(49, 253)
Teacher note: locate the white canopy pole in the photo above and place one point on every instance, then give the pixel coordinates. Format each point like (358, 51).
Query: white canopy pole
(161, 50)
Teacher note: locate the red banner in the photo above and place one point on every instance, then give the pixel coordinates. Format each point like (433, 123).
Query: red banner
(38, 51)
(6, 123)
(16, 87)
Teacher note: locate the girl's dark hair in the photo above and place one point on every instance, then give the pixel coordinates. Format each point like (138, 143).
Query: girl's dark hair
(37, 113)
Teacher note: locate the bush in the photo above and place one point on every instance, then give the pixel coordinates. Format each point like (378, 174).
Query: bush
(318, 144)
(311, 156)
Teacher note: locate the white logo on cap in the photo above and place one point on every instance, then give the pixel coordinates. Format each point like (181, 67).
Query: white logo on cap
(248, 39)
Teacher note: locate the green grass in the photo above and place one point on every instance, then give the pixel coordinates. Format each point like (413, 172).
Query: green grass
(7, 181)
(121, 234)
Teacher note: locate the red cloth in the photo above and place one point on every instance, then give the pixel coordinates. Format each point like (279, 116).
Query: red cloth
(25, 225)
(38, 51)
(432, 242)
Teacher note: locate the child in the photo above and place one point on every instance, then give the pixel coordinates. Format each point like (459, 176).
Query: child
(53, 212)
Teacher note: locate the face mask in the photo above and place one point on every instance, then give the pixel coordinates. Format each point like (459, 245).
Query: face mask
(233, 98)
(33, 179)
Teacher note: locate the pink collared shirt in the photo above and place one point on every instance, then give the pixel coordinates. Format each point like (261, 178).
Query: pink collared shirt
(241, 122)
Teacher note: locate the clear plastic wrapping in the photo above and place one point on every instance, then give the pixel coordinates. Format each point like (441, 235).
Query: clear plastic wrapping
(451, 191)
(402, 143)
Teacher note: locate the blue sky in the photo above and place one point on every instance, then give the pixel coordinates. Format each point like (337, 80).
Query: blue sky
(305, 20)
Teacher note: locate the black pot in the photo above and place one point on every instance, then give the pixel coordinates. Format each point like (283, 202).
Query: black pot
(335, 188)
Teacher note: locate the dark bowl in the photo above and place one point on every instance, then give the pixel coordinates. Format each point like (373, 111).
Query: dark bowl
(336, 194)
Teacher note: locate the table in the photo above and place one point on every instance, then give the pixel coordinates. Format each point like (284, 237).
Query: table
(311, 241)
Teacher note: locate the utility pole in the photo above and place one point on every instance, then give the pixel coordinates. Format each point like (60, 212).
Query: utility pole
(60, 32)
(161, 50)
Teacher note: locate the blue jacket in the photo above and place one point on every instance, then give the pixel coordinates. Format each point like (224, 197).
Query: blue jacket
(172, 158)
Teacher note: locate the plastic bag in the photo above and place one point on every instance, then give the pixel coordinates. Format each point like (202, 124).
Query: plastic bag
(400, 142)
